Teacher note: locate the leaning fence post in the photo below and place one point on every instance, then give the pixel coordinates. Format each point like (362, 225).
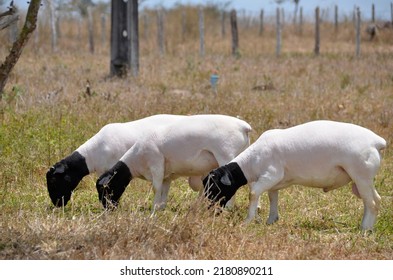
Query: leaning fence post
(317, 34)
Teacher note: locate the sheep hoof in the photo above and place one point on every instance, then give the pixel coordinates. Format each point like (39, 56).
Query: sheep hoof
(258, 220)
(272, 220)
(367, 232)
(247, 221)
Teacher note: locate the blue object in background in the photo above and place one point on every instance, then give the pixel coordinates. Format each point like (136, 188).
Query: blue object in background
(213, 82)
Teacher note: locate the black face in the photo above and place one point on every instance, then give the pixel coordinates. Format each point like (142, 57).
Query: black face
(222, 183)
(215, 190)
(112, 184)
(60, 184)
(63, 177)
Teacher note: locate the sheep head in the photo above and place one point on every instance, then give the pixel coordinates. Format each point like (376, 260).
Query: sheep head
(223, 182)
(63, 177)
(112, 184)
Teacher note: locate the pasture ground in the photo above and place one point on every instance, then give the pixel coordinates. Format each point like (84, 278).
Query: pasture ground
(45, 114)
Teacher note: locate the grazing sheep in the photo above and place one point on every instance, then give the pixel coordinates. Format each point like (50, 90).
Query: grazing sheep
(321, 154)
(98, 154)
(191, 146)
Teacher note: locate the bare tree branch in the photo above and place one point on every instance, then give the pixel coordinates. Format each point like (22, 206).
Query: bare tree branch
(8, 17)
(6, 21)
(16, 50)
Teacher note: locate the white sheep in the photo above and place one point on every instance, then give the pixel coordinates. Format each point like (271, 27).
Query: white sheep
(191, 146)
(98, 154)
(320, 154)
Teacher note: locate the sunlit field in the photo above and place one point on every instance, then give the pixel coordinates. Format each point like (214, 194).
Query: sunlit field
(46, 113)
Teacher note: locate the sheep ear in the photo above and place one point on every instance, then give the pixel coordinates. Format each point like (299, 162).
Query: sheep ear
(58, 169)
(104, 180)
(225, 180)
(51, 170)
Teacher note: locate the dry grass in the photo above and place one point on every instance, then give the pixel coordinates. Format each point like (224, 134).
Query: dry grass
(37, 130)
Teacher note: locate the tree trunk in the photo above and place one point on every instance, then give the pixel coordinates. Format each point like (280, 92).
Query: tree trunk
(120, 40)
(16, 50)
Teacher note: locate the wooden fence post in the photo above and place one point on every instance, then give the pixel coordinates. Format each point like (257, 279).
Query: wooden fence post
(336, 18)
(282, 17)
(235, 35)
(357, 52)
(52, 18)
(301, 21)
(58, 24)
(183, 25)
(201, 33)
(103, 30)
(79, 23)
(261, 29)
(317, 34)
(391, 12)
(133, 25)
(160, 31)
(145, 25)
(373, 13)
(223, 29)
(278, 33)
(90, 28)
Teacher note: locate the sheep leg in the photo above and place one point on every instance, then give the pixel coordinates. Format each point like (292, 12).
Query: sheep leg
(256, 190)
(253, 206)
(273, 213)
(362, 176)
(161, 195)
(266, 182)
(371, 202)
(164, 192)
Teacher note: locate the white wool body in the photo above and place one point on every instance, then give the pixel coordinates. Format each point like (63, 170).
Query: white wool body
(190, 147)
(105, 148)
(321, 154)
